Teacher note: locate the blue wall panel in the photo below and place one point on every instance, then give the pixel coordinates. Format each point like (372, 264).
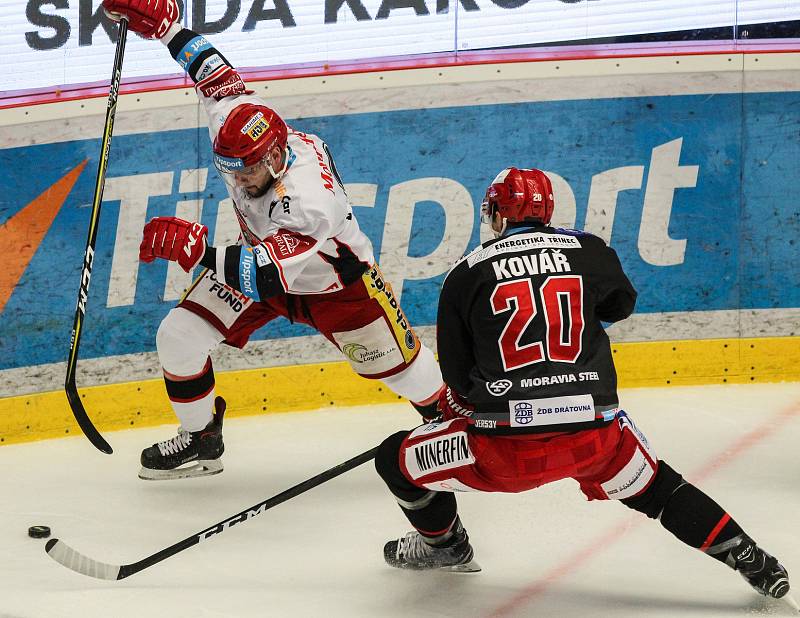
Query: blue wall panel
(740, 220)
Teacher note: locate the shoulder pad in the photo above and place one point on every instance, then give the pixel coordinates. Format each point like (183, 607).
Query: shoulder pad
(465, 258)
(577, 233)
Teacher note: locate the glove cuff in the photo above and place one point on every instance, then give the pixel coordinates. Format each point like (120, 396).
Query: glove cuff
(174, 29)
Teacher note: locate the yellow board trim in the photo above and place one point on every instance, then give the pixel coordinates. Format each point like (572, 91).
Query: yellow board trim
(307, 387)
(708, 361)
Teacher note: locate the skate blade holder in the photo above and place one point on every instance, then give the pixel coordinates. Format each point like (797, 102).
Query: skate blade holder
(202, 467)
(468, 567)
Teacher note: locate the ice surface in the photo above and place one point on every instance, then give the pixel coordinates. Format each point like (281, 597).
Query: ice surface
(548, 552)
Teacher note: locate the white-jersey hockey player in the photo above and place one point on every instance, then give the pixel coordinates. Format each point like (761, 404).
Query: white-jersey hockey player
(301, 255)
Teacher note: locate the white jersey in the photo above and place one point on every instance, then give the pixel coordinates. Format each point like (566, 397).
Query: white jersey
(304, 219)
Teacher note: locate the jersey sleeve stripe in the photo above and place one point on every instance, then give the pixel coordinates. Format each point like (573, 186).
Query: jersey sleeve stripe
(179, 41)
(219, 261)
(196, 55)
(191, 51)
(230, 269)
(247, 274)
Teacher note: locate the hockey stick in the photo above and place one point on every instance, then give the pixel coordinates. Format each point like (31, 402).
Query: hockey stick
(65, 555)
(78, 411)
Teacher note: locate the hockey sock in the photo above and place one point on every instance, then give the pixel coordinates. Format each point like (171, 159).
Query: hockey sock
(432, 513)
(427, 411)
(697, 520)
(688, 513)
(192, 397)
(433, 516)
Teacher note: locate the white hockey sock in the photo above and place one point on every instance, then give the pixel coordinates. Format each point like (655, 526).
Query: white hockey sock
(421, 381)
(195, 415)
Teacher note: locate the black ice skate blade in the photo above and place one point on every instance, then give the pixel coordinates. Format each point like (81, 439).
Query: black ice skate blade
(196, 470)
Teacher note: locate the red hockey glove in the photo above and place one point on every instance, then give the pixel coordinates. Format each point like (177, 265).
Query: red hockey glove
(150, 18)
(175, 240)
(452, 405)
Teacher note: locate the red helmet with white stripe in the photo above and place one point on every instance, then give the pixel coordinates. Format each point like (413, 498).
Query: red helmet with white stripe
(248, 134)
(519, 195)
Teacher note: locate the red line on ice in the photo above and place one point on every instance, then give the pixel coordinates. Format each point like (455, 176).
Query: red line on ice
(605, 540)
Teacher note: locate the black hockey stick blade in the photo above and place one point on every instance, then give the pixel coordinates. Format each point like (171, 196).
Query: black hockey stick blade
(78, 411)
(84, 422)
(76, 561)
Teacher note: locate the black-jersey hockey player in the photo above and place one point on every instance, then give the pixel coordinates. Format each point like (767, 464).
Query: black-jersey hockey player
(301, 255)
(532, 395)
(521, 315)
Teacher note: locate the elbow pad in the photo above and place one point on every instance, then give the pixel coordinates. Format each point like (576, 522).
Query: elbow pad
(251, 271)
(258, 274)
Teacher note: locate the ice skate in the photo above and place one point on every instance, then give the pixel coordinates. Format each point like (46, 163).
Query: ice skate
(412, 552)
(762, 571)
(189, 454)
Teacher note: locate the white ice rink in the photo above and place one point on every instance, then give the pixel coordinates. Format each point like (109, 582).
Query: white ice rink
(547, 552)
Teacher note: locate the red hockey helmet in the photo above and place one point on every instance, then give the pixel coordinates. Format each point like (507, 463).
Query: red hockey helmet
(519, 195)
(248, 134)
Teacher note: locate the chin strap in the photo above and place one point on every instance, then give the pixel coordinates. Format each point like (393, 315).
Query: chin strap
(281, 171)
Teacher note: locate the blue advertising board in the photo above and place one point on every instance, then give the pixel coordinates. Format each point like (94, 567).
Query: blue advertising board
(694, 192)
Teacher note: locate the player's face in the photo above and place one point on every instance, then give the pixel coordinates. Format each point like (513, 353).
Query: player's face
(255, 180)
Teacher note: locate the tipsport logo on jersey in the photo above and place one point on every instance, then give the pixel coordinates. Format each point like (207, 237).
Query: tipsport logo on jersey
(674, 204)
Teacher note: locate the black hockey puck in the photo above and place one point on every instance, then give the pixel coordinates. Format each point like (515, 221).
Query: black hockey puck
(39, 532)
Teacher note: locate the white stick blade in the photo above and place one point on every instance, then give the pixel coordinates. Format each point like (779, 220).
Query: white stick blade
(68, 557)
(791, 602)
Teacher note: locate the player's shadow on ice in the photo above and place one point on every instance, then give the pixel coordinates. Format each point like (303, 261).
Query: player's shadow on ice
(454, 591)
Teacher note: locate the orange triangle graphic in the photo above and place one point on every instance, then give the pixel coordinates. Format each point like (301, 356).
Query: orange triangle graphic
(23, 233)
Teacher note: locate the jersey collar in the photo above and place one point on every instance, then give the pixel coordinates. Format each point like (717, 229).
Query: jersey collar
(521, 230)
(292, 157)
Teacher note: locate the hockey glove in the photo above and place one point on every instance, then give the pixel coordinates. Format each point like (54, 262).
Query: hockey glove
(452, 405)
(175, 240)
(149, 18)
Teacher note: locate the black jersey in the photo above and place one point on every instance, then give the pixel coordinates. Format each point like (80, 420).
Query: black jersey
(519, 330)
